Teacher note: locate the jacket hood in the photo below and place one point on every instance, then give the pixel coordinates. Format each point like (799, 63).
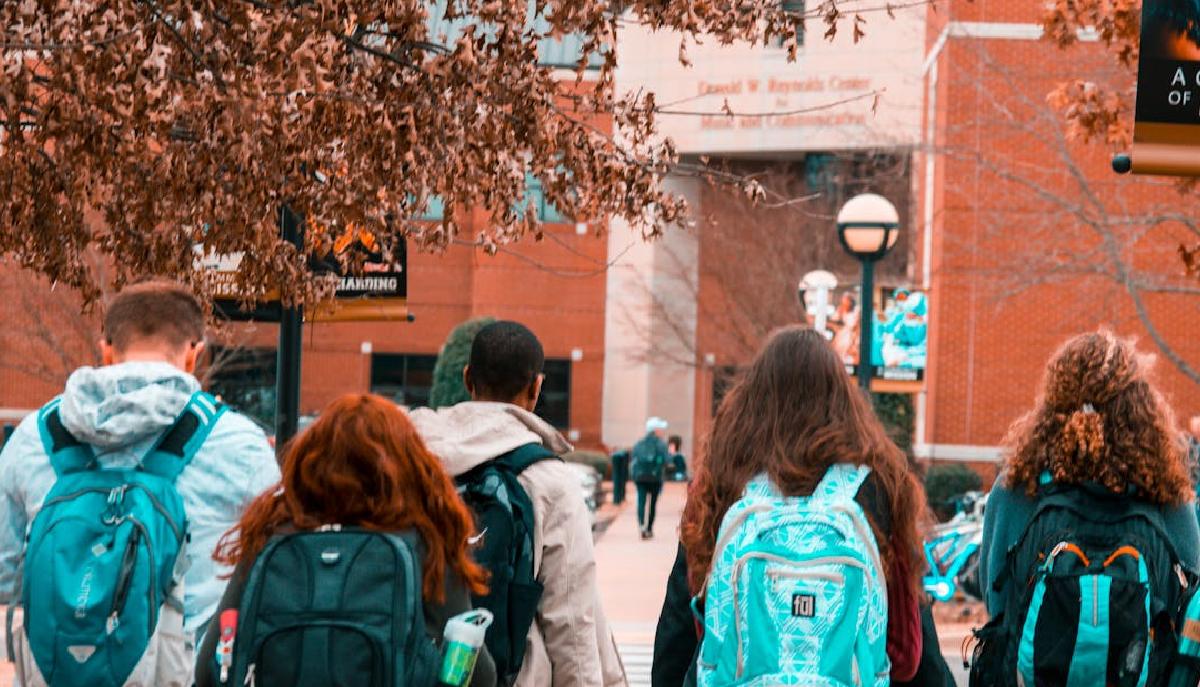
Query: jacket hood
(471, 433)
(120, 405)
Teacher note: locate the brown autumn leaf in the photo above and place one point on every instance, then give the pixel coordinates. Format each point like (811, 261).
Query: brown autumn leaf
(139, 129)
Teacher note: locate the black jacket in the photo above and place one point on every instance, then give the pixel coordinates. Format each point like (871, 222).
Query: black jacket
(676, 643)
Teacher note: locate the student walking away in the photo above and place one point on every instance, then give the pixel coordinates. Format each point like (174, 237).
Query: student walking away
(620, 471)
(124, 482)
(801, 545)
(535, 531)
(349, 571)
(678, 462)
(649, 461)
(1090, 541)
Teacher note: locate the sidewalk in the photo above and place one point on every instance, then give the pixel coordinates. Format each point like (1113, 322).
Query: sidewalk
(7, 671)
(632, 576)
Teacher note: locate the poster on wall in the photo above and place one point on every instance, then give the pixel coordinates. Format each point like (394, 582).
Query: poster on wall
(898, 337)
(1166, 136)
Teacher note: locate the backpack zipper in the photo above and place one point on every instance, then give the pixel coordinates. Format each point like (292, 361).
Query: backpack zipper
(124, 578)
(249, 681)
(810, 563)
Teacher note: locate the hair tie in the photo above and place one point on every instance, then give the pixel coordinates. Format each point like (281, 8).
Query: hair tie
(1089, 409)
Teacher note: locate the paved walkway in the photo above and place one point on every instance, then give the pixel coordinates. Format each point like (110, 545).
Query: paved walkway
(632, 575)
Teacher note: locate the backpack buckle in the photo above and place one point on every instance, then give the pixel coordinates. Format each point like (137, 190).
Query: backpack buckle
(117, 495)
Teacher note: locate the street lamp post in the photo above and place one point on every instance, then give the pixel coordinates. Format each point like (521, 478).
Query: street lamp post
(868, 227)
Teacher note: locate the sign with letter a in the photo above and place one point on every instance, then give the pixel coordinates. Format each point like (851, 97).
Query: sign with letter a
(1166, 135)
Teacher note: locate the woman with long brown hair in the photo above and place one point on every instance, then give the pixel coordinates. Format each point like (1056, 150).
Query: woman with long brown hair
(362, 464)
(794, 415)
(1095, 471)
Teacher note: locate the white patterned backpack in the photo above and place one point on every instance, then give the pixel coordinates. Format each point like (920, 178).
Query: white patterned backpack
(796, 595)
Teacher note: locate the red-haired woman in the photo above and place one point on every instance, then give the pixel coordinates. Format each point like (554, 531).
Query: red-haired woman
(793, 416)
(363, 464)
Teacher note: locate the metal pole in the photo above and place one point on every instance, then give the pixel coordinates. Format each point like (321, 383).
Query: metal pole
(866, 321)
(287, 374)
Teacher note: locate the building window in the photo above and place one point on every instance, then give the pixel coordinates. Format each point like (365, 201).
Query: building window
(819, 173)
(546, 212)
(244, 379)
(435, 209)
(723, 378)
(404, 378)
(554, 405)
(796, 8)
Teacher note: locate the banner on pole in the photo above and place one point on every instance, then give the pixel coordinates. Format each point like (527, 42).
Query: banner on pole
(1166, 136)
(378, 293)
(898, 334)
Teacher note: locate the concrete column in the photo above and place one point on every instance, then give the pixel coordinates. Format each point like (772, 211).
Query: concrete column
(650, 330)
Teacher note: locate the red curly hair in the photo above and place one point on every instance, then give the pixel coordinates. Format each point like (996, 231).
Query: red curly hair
(363, 464)
(794, 413)
(1100, 420)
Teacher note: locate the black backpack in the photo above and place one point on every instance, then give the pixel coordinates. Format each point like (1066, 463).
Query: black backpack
(1094, 591)
(649, 459)
(504, 519)
(336, 606)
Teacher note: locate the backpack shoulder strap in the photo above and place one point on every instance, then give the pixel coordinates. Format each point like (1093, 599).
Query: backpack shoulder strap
(841, 481)
(523, 457)
(172, 453)
(66, 453)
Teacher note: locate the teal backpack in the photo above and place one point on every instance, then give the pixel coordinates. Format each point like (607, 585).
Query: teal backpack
(1094, 591)
(102, 585)
(796, 595)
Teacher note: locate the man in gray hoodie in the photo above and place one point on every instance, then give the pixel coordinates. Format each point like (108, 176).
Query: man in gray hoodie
(569, 644)
(153, 336)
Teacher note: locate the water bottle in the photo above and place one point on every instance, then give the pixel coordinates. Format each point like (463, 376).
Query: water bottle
(462, 640)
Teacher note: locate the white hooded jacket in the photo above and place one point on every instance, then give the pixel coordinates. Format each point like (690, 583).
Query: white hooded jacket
(569, 644)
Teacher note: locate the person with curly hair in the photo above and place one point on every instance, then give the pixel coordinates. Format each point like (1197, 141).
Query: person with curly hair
(793, 416)
(1099, 421)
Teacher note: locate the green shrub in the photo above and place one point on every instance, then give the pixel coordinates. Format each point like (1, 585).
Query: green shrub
(895, 411)
(448, 388)
(596, 459)
(946, 482)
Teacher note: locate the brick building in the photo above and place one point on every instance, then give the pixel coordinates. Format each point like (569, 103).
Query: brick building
(556, 286)
(1028, 237)
(1020, 236)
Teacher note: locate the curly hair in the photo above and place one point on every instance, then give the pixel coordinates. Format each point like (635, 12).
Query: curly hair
(794, 413)
(1100, 420)
(362, 463)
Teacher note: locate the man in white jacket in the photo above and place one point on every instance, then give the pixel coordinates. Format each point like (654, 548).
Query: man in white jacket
(570, 643)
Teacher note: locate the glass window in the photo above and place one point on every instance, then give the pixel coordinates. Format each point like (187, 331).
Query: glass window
(546, 212)
(435, 207)
(554, 405)
(795, 7)
(244, 379)
(405, 378)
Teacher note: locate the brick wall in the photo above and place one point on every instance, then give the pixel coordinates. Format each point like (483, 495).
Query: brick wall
(1032, 231)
